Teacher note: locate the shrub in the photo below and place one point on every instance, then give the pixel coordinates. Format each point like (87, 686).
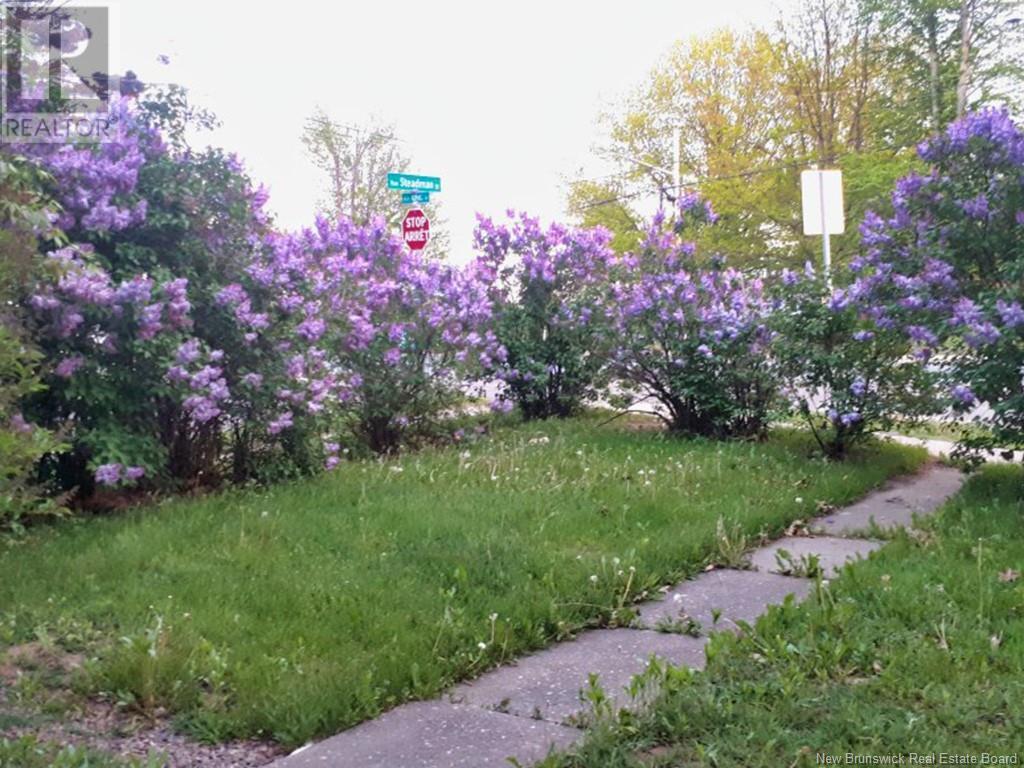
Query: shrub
(947, 268)
(843, 374)
(23, 214)
(692, 338)
(546, 282)
(372, 337)
(154, 230)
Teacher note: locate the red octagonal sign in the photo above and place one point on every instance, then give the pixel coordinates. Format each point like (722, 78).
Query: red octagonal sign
(416, 229)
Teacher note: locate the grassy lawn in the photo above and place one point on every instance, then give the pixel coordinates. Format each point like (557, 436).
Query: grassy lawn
(942, 430)
(920, 649)
(28, 752)
(300, 610)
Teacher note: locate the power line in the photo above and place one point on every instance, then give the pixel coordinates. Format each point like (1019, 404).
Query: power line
(706, 179)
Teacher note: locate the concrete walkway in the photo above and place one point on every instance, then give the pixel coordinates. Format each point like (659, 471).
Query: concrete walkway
(939, 447)
(525, 709)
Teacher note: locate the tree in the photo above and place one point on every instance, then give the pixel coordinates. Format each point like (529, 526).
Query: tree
(356, 160)
(947, 268)
(544, 282)
(598, 205)
(725, 94)
(692, 338)
(945, 57)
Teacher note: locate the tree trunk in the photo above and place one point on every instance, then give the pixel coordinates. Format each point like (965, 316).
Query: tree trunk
(933, 70)
(963, 85)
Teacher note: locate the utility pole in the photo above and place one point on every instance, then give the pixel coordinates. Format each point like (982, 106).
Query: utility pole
(677, 185)
(675, 172)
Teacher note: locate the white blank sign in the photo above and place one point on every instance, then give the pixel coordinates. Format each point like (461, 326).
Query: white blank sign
(822, 193)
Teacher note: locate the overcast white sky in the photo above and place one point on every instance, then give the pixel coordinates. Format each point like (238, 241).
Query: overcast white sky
(498, 99)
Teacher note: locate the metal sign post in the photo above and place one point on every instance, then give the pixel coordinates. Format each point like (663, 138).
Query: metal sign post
(822, 197)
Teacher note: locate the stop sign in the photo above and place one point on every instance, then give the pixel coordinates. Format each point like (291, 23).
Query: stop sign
(416, 229)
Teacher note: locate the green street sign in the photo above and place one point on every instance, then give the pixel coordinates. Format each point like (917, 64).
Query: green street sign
(408, 198)
(407, 182)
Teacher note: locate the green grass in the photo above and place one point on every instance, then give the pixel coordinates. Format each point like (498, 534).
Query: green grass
(298, 611)
(919, 649)
(28, 752)
(942, 430)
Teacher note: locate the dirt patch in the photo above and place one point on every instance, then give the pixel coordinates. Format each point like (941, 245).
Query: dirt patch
(100, 725)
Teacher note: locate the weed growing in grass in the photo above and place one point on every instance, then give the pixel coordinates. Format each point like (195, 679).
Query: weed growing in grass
(682, 625)
(806, 566)
(732, 545)
(164, 669)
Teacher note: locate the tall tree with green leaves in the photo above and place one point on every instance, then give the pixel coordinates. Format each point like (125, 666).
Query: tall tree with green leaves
(943, 58)
(840, 97)
(597, 204)
(724, 92)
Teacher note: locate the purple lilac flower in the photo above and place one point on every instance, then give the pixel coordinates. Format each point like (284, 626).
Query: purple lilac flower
(963, 395)
(981, 334)
(848, 419)
(1012, 314)
(502, 406)
(177, 374)
(188, 352)
(66, 368)
(20, 425)
(977, 207)
(281, 423)
(108, 474)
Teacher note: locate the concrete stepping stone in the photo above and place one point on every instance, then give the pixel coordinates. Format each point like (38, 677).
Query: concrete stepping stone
(832, 553)
(548, 684)
(436, 734)
(738, 595)
(895, 504)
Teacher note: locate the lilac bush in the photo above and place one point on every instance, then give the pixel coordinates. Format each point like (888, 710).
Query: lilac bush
(844, 374)
(153, 230)
(946, 268)
(372, 335)
(187, 341)
(545, 283)
(691, 337)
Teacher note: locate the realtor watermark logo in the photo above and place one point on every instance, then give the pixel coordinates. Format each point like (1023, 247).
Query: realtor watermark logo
(55, 60)
(917, 758)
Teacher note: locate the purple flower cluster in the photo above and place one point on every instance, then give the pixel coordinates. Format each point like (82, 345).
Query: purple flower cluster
(114, 474)
(943, 267)
(918, 271)
(95, 184)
